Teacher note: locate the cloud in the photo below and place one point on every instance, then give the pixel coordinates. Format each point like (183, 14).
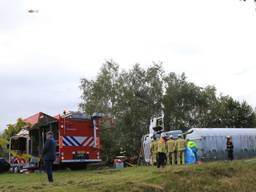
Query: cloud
(13, 15)
(44, 55)
(245, 70)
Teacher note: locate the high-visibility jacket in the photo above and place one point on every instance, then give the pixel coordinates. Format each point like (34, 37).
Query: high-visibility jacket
(161, 147)
(171, 145)
(180, 144)
(153, 146)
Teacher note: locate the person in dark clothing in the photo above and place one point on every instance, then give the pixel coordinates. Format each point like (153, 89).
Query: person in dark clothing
(49, 155)
(230, 148)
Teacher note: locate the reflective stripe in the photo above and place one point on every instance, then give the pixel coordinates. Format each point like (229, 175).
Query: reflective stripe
(70, 141)
(77, 141)
(80, 160)
(64, 142)
(88, 141)
(91, 143)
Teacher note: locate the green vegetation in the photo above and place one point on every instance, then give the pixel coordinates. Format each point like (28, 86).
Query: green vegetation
(132, 97)
(209, 177)
(13, 129)
(10, 130)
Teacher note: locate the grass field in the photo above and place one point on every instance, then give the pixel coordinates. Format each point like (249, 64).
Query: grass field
(217, 176)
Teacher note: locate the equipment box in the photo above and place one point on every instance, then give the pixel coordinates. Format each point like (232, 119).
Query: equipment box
(118, 164)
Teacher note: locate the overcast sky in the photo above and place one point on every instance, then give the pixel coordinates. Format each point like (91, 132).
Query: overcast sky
(43, 55)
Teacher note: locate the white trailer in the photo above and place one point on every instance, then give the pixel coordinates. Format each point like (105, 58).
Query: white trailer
(212, 142)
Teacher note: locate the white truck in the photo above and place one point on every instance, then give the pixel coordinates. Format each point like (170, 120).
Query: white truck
(156, 127)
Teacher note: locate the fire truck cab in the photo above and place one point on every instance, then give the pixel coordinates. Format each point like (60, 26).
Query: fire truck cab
(76, 135)
(79, 139)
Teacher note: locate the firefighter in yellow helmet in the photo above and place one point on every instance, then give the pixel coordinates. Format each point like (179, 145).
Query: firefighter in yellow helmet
(171, 150)
(180, 148)
(161, 150)
(153, 150)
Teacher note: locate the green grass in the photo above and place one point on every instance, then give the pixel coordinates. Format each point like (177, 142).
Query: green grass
(217, 176)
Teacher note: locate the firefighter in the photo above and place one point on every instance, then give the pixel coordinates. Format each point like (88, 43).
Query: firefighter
(161, 151)
(180, 148)
(153, 151)
(230, 148)
(171, 150)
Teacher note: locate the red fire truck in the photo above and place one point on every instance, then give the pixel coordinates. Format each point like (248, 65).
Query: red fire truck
(79, 139)
(76, 135)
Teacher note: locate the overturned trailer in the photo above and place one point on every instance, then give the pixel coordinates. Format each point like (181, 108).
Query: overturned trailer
(76, 135)
(212, 142)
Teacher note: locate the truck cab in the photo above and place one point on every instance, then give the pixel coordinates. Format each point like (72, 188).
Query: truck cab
(76, 135)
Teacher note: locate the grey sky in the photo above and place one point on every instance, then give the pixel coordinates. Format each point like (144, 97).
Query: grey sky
(43, 55)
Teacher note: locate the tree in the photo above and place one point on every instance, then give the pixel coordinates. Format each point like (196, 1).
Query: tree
(140, 97)
(131, 97)
(100, 95)
(13, 129)
(3, 146)
(185, 104)
(232, 113)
